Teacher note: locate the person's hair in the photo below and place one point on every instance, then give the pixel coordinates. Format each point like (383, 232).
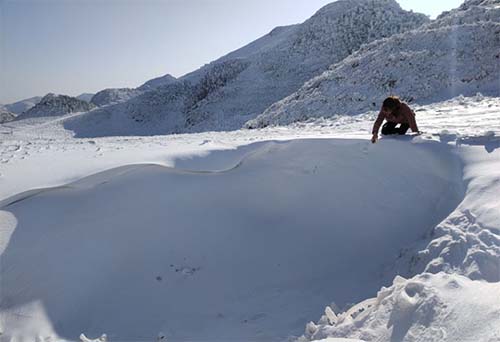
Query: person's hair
(391, 103)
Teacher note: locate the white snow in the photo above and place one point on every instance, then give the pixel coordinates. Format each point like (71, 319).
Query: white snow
(248, 235)
(195, 241)
(428, 307)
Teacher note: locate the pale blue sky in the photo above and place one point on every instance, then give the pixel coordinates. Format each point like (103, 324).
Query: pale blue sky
(76, 46)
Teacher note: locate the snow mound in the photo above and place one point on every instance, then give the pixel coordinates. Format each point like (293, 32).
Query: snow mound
(239, 252)
(427, 308)
(56, 105)
(468, 241)
(263, 72)
(456, 54)
(462, 305)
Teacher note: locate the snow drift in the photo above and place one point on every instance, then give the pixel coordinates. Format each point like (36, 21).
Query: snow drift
(225, 254)
(441, 307)
(456, 54)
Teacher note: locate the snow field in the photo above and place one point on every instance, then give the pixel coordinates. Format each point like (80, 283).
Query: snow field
(64, 268)
(238, 251)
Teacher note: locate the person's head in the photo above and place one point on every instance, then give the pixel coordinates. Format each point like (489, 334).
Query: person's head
(390, 104)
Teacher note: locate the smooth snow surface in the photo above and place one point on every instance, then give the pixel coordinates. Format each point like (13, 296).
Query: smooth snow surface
(248, 235)
(189, 240)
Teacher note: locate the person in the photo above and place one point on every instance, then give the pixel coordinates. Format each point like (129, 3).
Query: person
(395, 112)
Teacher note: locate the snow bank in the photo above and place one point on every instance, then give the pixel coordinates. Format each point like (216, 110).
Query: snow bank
(441, 307)
(468, 241)
(427, 308)
(236, 254)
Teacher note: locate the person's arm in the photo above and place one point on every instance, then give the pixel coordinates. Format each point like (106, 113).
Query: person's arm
(376, 126)
(410, 116)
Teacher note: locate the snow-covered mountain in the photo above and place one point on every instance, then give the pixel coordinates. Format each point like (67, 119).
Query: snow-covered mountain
(117, 95)
(5, 115)
(85, 97)
(158, 82)
(114, 95)
(23, 105)
(56, 105)
(459, 53)
(226, 93)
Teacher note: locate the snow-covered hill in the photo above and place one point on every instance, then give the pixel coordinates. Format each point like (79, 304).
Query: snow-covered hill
(459, 53)
(56, 105)
(23, 105)
(157, 82)
(85, 97)
(114, 95)
(226, 93)
(117, 95)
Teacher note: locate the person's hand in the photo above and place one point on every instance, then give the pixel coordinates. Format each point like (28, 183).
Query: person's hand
(374, 138)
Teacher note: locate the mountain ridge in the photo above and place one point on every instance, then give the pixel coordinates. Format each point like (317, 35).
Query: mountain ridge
(453, 55)
(261, 73)
(56, 105)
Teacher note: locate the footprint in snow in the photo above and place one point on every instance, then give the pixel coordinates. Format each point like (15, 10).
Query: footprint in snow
(254, 318)
(311, 170)
(365, 148)
(13, 148)
(185, 270)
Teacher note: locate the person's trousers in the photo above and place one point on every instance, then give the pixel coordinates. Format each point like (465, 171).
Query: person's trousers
(390, 128)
